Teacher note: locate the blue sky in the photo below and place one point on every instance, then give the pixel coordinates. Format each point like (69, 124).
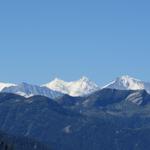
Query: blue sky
(101, 39)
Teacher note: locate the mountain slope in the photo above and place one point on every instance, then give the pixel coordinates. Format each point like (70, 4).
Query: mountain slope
(12, 142)
(37, 117)
(81, 87)
(45, 120)
(107, 97)
(128, 83)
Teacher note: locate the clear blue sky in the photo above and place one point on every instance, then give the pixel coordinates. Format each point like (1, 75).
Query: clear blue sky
(101, 39)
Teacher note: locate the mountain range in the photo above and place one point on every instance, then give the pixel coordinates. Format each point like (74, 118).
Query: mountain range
(78, 115)
(119, 119)
(79, 88)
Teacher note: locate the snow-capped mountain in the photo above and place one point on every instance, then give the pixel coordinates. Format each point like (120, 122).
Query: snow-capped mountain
(5, 85)
(28, 90)
(81, 87)
(128, 83)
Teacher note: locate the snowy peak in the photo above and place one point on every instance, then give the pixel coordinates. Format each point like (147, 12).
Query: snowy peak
(57, 85)
(81, 87)
(84, 79)
(28, 90)
(126, 83)
(130, 83)
(5, 85)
